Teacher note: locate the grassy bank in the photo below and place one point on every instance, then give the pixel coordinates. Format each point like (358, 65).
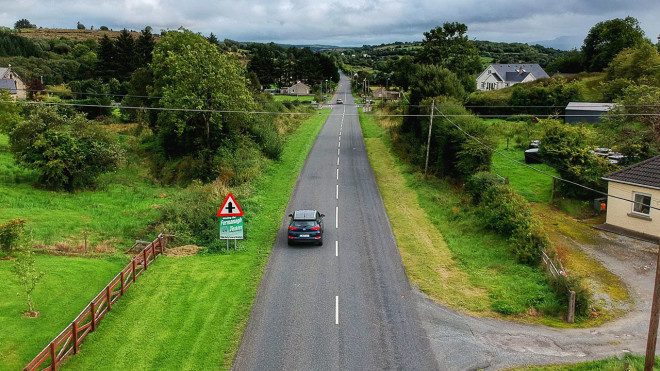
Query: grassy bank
(625, 363)
(116, 213)
(190, 312)
(59, 298)
(451, 257)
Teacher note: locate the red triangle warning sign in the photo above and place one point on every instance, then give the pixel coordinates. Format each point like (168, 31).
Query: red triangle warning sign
(230, 207)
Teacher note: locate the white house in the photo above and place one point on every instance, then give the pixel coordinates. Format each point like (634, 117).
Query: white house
(11, 82)
(299, 88)
(498, 76)
(634, 199)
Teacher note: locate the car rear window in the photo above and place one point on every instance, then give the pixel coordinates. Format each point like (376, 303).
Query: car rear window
(303, 223)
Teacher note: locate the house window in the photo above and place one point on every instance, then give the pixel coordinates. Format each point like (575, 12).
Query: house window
(642, 204)
(490, 72)
(483, 85)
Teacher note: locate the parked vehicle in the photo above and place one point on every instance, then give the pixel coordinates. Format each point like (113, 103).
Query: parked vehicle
(305, 226)
(339, 101)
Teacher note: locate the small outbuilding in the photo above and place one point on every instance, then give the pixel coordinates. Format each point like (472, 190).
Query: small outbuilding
(299, 88)
(382, 93)
(634, 199)
(577, 112)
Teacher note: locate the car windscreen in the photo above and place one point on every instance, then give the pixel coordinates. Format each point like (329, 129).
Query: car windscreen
(303, 223)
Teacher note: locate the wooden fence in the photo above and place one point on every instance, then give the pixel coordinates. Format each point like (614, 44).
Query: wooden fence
(68, 341)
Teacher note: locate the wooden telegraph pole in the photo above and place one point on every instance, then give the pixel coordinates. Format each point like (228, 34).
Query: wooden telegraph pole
(428, 140)
(653, 325)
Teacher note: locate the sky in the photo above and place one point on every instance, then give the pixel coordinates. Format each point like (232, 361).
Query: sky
(342, 22)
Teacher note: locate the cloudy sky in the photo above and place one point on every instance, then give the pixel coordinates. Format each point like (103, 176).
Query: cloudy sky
(341, 22)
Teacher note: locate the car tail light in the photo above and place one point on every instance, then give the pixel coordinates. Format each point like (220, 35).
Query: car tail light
(316, 228)
(292, 228)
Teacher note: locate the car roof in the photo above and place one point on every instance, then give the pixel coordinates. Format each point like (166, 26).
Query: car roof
(304, 215)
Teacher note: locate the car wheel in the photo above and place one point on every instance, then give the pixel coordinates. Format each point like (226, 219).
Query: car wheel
(320, 243)
(289, 242)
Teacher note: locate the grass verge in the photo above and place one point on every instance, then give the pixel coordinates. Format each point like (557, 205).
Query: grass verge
(189, 313)
(451, 257)
(68, 285)
(626, 363)
(115, 214)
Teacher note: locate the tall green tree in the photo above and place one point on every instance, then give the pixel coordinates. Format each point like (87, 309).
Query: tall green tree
(144, 47)
(190, 72)
(107, 58)
(448, 46)
(606, 39)
(126, 58)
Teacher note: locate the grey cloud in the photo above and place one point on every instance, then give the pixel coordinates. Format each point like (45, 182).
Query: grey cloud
(347, 22)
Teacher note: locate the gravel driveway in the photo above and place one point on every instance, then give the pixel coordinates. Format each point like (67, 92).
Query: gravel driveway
(462, 342)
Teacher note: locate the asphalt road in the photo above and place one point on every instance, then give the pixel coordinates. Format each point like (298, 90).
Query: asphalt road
(346, 304)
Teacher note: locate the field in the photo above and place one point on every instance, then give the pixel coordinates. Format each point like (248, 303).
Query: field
(71, 34)
(68, 285)
(112, 216)
(294, 98)
(189, 312)
(455, 261)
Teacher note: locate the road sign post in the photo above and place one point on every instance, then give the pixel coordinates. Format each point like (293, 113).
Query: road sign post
(230, 220)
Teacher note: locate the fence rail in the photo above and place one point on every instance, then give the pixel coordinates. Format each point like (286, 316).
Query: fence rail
(69, 340)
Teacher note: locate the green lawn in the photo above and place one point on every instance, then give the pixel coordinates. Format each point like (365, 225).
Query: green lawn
(69, 284)
(625, 363)
(481, 256)
(117, 213)
(189, 313)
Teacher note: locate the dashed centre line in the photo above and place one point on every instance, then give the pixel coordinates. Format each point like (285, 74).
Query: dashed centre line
(337, 192)
(336, 248)
(336, 310)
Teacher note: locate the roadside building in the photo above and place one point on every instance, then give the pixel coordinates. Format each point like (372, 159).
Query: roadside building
(499, 76)
(577, 112)
(12, 83)
(299, 88)
(639, 183)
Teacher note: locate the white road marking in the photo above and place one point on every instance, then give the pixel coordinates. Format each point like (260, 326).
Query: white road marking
(337, 174)
(337, 192)
(339, 144)
(336, 216)
(338, 151)
(336, 310)
(336, 248)
(337, 161)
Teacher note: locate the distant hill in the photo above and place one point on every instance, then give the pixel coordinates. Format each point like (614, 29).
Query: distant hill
(562, 42)
(71, 34)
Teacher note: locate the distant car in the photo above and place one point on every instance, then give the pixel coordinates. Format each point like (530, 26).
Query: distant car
(305, 226)
(339, 101)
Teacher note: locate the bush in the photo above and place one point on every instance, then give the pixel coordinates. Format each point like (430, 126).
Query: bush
(69, 152)
(10, 234)
(191, 216)
(480, 183)
(563, 284)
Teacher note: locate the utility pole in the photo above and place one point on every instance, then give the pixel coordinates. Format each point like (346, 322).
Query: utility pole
(653, 323)
(428, 140)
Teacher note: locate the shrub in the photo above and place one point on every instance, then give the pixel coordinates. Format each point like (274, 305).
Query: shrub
(10, 234)
(563, 284)
(480, 183)
(69, 152)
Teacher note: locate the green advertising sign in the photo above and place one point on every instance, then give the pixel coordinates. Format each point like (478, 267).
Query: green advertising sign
(231, 228)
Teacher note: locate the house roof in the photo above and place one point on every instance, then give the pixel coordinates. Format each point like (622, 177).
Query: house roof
(506, 71)
(516, 77)
(586, 106)
(299, 83)
(7, 84)
(645, 174)
(3, 71)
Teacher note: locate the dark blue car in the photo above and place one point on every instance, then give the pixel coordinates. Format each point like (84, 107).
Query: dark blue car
(305, 226)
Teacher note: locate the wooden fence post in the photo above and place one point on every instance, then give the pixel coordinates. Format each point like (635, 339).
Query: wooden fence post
(53, 356)
(153, 251)
(92, 309)
(74, 333)
(570, 317)
(108, 296)
(144, 259)
(121, 285)
(160, 243)
(133, 264)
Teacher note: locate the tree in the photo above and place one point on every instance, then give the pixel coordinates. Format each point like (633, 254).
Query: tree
(144, 47)
(28, 276)
(190, 72)
(448, 46)
(639, 64)
(107, 58)
(126, 55)
(571, 61)
(104, 28)
(69, 152)
(213, 39)
(80, 26)
(23, 23)
(10, 113)
(606, 39)
(10, 234)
